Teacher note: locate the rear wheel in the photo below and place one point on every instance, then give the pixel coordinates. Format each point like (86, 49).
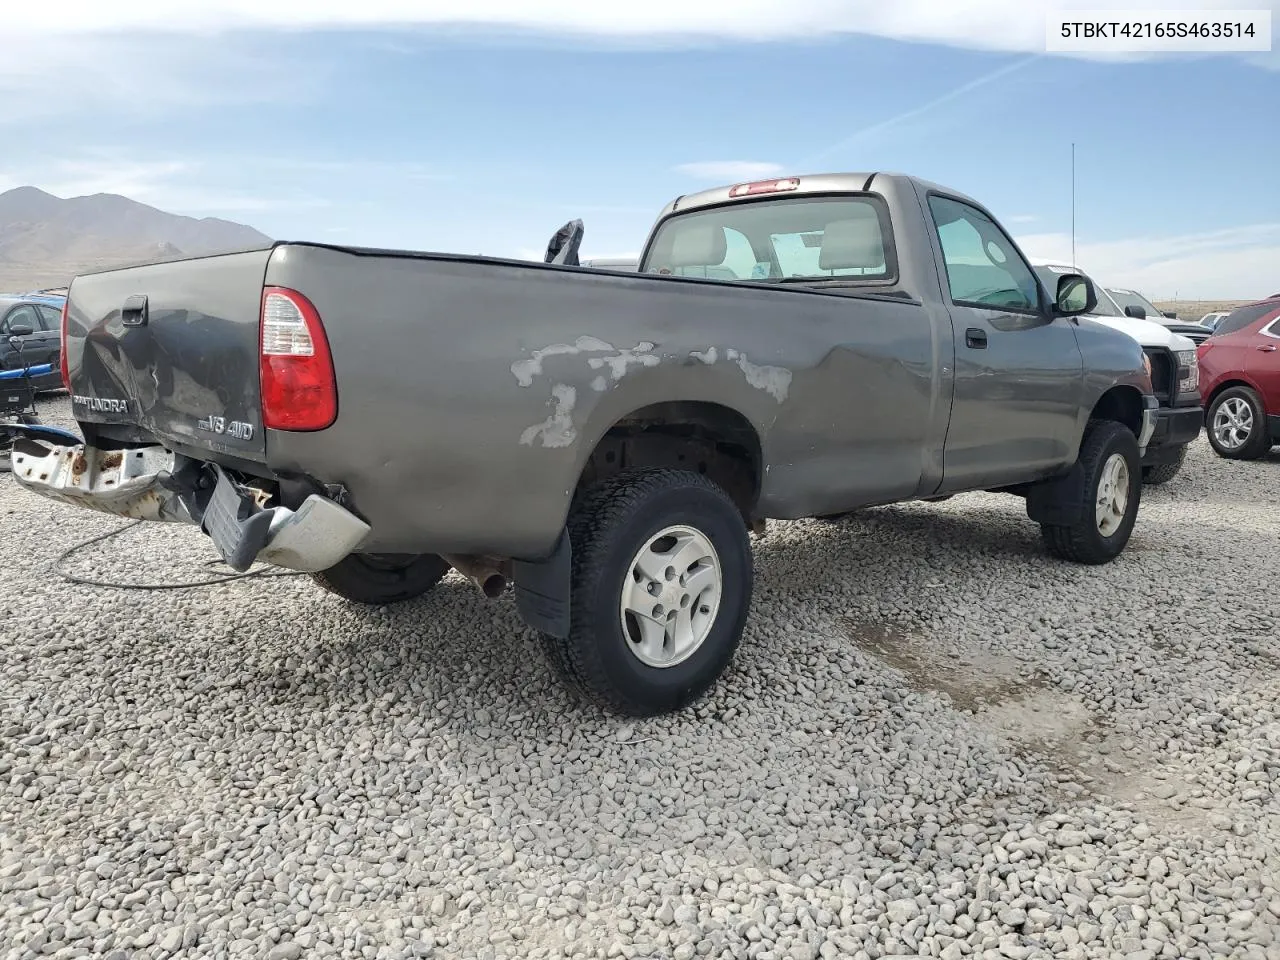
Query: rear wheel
(1237, 425)
(662, 580)
(835, 517)
(1164, 472)
(380, 578)
(1110, 495)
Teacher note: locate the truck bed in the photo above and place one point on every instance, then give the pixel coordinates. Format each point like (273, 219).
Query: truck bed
(471, 391)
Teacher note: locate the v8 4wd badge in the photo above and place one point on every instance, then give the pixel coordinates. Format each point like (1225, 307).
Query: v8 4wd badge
(235, 429)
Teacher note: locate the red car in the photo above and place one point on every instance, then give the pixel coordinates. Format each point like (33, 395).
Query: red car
(1240, 381)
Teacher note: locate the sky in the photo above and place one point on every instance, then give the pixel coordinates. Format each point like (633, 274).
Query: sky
(397, 123)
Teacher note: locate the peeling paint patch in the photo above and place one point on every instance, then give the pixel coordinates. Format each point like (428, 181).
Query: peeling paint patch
(557, 430)
(639, 354)
(707, 356)
(525, 370)
(775, 381)
(599, 384)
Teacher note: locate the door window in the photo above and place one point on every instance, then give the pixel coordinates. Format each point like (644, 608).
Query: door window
(984, 268)
(24, 315)
(51, 318)
(1244, 316)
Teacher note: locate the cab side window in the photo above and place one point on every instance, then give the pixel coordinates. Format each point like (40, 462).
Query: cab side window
(984, 269)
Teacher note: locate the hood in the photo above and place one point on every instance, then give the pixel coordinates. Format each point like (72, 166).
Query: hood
(1147, 332)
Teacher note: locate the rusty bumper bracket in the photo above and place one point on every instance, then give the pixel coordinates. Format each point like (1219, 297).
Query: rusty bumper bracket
(152, 483)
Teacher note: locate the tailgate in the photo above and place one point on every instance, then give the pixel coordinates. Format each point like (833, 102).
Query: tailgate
(170, 351)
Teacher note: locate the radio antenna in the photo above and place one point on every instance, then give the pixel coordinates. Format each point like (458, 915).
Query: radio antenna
(1073, 204)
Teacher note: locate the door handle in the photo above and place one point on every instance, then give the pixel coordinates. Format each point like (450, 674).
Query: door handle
(1267, 348)
(134, 311)
(976, 338)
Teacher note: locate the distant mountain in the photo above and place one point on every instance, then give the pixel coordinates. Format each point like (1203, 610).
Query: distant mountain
(47, 240)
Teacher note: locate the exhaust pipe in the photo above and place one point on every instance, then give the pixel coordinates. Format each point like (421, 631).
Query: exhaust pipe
(485, 572)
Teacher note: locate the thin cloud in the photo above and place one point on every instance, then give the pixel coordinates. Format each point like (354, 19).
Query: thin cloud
(60, 73)
(724, 171)
(954, 94)
(1234, 263)
(175, 185)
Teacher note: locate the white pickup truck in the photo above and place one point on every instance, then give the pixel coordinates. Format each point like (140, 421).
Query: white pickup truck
(1175, 375)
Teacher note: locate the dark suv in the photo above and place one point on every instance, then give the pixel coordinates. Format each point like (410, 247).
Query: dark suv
(43, 316)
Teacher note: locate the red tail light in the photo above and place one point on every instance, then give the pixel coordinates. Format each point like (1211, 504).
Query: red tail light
(62, 348)
(299, 391)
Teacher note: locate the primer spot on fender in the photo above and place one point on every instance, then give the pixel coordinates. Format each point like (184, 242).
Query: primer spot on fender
(599, 384)
(639, 354)
(775, 381)
(525, 370)
(557, 430)
(707, 356)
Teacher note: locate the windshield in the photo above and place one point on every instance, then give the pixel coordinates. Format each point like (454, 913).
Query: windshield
(796, 239)
(1049, 277)
(1128, 298)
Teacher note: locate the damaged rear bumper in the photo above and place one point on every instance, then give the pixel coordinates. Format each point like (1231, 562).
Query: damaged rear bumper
(149, 483)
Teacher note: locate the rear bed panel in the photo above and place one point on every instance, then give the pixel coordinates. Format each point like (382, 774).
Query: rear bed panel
(185, 371)
(470, 392)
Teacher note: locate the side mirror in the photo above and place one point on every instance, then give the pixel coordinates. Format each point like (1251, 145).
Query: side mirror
(20, 330)
(1075, 295)
(1138, 313)
(1170, 315)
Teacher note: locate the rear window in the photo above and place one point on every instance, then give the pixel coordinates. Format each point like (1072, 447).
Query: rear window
(778, 241)
(1245, 316)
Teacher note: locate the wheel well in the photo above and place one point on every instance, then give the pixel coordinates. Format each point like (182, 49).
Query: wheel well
(1225, 385)
(703, 437)
(1121, 404)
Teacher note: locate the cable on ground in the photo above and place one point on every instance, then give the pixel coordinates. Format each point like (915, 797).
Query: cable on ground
(60, 564)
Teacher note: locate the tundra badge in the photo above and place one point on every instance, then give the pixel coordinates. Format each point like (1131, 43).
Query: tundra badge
(103, 404)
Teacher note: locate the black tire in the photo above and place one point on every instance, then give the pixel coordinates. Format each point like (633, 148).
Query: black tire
(1082, 541)
(608, 526)
(382, 578)
(835, 517)
(1162, 473)
(1258, 441)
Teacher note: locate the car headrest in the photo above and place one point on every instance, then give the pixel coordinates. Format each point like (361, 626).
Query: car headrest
(699, 245)
(855, 243)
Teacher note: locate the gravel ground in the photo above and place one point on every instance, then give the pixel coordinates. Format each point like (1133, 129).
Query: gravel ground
(934, 742)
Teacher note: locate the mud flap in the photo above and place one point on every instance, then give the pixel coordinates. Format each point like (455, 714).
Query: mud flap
(542, 589)
(235, 524)
(1057, 502)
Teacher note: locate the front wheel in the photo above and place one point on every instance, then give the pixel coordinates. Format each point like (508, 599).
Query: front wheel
(1110, 494)
(1237, 425)
(382, 578)
(661, 584)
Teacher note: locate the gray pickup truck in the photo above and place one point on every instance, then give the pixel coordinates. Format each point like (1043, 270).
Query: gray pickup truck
(604, 441)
